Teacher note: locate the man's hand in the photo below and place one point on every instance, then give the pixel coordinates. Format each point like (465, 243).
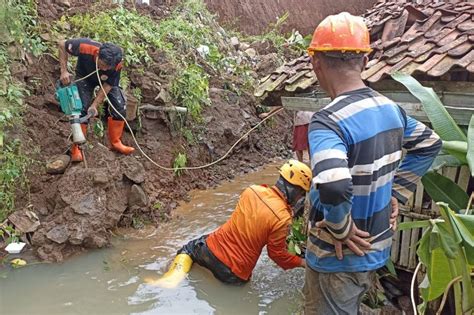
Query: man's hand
(65, 78)
(394, 215)
(263, 115)
(303, 263)
(354, 241)
(92, 111)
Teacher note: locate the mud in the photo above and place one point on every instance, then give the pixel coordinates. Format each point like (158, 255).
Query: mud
(78, 208)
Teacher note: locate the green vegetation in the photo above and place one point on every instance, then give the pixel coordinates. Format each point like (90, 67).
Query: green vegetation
(191, 88)
(296, 239)
(158, 205)
(447, 246)
(189, 37)
(295, 41)
(447, 251)
(455, 145)
(13, 236)
(18, 29)
(179, 162)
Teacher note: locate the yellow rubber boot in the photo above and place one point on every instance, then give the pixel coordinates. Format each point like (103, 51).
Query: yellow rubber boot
(177, 272)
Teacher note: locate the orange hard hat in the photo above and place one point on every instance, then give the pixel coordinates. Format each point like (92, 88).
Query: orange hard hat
(342, 32)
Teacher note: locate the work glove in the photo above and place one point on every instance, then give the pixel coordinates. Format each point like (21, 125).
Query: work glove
(92, 112)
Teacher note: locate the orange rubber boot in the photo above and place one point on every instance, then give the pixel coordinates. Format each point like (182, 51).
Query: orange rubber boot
(115, 130)
(76, 154)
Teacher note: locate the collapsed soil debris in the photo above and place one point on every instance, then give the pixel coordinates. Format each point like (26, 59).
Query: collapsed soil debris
(78, 208)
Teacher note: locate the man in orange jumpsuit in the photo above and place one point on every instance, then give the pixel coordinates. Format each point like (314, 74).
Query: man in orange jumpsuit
(261, 217)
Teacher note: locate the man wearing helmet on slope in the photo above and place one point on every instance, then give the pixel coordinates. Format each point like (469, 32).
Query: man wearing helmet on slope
(359, 175)
(261, 217)
(107, 58)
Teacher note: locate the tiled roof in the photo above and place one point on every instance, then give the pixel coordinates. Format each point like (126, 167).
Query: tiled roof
(422, 38)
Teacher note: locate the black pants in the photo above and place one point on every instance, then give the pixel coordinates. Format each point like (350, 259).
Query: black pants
(201, 254)
(116, 97)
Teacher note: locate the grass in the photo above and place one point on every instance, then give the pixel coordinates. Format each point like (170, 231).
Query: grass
(21, 31)
(179, 162)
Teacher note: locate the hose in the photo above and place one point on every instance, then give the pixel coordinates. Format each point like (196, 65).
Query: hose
(172, 168)
(412, 289)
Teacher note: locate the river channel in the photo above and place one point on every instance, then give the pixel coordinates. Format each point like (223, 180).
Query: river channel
(112, 281)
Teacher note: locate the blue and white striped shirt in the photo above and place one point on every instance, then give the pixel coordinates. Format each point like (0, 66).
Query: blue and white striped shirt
(356, 147)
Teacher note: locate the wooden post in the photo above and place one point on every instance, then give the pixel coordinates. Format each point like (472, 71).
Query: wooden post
(405, 246)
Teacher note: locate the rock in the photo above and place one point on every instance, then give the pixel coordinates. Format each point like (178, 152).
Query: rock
(25, 221)
(137, 197)
(64, 3)
(43, 211)
(89, 203)
(252, 53)
(244, 46)
(100, 177)
(96, 241)
(77, 234)
(234, 41)
(203, 50)
(245, 114)
(59, 234)
(45, 36)
(58, 164)
(133, 170)
(132, 106)
(164, 96)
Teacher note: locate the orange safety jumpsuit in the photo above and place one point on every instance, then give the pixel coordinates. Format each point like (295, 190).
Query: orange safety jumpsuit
(262, 217)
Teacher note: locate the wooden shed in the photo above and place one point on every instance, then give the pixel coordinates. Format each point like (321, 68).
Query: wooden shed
(430, 40)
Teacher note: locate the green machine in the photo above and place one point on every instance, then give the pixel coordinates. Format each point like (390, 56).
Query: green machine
(71, 105)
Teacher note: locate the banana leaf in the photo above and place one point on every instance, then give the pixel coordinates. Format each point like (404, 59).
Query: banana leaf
(465, 225)
(413, 225)
(437, 267)
(457, 149)
(463, 237)
(442, 189)
(442, 122)
(470, 145)
(460, 146)
(444, 159)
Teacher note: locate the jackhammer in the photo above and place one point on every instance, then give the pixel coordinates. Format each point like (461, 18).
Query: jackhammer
(71, 105)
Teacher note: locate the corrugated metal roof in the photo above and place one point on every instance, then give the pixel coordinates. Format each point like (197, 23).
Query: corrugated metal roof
(429, 38)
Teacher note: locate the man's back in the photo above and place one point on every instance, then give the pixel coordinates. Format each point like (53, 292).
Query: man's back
(261, 217)
(356, 147)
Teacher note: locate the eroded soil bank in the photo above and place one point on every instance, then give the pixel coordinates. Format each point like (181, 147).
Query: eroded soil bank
(77, 209)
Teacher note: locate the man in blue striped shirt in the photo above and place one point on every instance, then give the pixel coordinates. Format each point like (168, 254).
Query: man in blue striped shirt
(359, 172)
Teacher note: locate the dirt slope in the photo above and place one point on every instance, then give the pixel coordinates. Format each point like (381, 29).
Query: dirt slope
(254, 16)
(78, 209)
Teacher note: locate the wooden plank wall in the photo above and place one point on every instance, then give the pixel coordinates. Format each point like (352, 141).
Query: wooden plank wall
(405, 242)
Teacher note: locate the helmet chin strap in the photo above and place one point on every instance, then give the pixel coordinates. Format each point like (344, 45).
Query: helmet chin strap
(289, 191)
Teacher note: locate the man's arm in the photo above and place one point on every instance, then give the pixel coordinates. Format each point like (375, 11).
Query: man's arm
(422, 145)
(99, 99)
(278, 250)
(63, 58)
(331, 176)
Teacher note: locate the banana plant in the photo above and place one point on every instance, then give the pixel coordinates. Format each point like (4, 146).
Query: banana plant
(458, 148)
(447, 251)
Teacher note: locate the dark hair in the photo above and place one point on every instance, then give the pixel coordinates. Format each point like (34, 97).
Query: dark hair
(339, 60)
(110, 54)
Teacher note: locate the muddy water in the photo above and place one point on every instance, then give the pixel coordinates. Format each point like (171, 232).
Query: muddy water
(111, 281)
